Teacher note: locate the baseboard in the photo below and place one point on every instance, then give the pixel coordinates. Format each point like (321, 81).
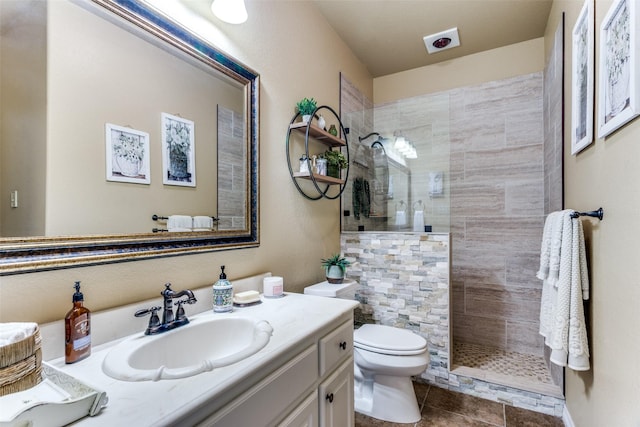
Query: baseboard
(566, 418)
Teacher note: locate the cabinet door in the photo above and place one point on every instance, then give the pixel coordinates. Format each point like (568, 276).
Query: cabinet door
(336, 397)
(305, 415)
(335, 346)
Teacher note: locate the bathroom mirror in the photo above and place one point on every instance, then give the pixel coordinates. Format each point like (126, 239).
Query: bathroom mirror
(60, 132)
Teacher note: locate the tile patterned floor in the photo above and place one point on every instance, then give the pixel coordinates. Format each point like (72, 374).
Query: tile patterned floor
(444, 408)
(517, 365)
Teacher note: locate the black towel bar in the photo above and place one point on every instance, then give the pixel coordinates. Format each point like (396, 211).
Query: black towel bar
(596, 214)
(157, 217)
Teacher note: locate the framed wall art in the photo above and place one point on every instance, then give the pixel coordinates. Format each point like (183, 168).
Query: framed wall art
(127, 155)
(619, 69)
(582, 79)
(178, 151)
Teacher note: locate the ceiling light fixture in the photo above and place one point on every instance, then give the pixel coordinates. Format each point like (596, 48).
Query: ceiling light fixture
(230, 11)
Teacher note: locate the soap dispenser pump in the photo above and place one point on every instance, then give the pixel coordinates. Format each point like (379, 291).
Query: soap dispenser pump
(222, 294)
(77, 327)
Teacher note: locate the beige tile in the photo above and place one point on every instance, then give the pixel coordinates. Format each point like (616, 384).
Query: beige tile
(504, 234)
(495, 301)
(518, 417)
(521, 269)
(479, 330)
(457, 297)
(523, 337)
(512, 163)
(524, 197)
(470, 407)
(477, 265)
(525, 127)
(478, 199)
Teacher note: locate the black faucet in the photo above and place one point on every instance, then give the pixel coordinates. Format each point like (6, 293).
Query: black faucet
(169, 321)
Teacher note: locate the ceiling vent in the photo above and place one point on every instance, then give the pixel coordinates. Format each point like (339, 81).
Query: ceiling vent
(442, 41)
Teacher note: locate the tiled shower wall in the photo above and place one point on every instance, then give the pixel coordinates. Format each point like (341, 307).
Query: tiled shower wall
(232, 154)
(497, 212)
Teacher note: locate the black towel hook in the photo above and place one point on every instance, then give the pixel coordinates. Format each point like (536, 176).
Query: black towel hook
(596, 214)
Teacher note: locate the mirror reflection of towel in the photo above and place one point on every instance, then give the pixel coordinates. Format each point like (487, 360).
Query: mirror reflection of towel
(401, 218)
(202, 223)
(180, 223)
(361, 198)
(418, 221)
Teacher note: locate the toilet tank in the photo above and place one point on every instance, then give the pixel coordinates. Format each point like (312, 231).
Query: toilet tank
(344, 290)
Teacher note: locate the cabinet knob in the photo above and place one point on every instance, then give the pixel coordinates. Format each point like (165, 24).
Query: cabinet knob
(329, 397)
(343, 345)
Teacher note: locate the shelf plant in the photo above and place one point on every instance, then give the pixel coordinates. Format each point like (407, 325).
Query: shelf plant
(336, 161)
(335, 268)
(306, 107)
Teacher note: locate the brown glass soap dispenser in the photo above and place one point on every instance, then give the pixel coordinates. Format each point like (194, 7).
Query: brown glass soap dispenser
(77, 326)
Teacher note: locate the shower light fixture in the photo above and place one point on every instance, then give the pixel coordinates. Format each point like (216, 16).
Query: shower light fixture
(230, 11)
(404, 147)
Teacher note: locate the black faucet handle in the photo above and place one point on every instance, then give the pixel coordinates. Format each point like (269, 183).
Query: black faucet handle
(154, 320)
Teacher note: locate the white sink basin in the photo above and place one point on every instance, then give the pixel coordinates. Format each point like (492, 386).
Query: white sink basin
(201, 346)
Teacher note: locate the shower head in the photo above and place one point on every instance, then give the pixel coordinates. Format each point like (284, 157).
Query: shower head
(362, 138)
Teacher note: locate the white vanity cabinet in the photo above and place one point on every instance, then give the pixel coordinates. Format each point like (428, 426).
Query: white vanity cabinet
(309, 356)
(314, 388)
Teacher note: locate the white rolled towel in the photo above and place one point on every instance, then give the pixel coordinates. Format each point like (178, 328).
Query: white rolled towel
(202, 223)
(180, 223)
(13, 332)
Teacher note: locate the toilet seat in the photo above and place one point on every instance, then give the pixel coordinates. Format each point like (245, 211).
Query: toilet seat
(388, 340)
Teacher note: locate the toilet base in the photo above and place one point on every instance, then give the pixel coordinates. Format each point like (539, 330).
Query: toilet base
(388, 398)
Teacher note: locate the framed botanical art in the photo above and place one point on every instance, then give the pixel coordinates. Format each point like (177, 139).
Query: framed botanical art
(619, 90)
(582, 79)
(178, 151)
(127, 155)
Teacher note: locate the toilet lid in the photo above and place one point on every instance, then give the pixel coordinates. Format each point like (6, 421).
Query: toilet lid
(388, 340)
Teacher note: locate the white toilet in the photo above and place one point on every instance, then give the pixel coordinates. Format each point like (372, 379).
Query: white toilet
(385, 359)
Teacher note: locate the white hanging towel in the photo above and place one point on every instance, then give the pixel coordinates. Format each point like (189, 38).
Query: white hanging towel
(177, 223)
(202, 223)
(562, 321)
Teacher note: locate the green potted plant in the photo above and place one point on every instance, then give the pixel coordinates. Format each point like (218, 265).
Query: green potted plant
(335, 268)
(336, 161)
(306, 107)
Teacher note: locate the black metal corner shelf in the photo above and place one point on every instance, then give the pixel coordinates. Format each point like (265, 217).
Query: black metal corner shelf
(321, 136)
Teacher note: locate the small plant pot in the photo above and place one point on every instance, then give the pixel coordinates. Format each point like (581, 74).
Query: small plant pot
(306, 118)
(334, 274)
(333, 171)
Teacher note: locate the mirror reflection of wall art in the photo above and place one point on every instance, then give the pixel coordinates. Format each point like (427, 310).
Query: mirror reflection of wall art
(582, 80)
(127, 155)
(178, 151)
(619, 88)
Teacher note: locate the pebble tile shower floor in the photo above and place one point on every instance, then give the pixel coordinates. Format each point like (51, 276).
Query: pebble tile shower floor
(522, 366)
(442, 408)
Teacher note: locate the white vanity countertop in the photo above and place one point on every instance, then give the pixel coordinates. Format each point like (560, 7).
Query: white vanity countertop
(294, 318)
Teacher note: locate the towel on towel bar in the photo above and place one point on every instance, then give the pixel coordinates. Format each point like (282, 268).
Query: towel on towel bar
(177, 223)
(202, 223)
(562, 321)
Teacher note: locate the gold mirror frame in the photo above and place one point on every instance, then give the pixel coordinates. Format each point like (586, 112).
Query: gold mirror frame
(29, 254)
